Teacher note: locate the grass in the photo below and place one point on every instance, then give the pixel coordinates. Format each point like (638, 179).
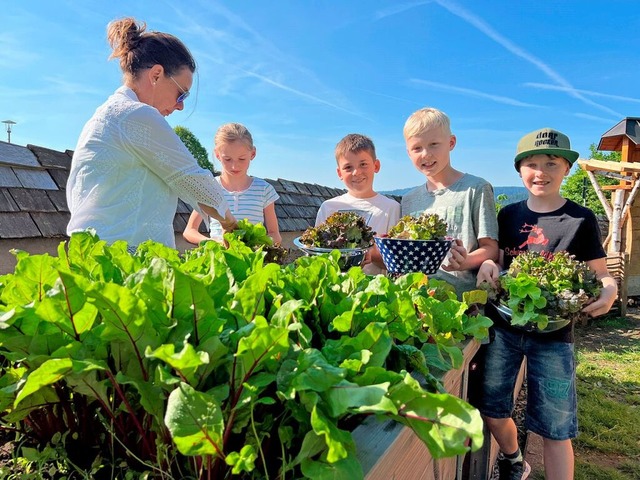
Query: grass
(608, 447)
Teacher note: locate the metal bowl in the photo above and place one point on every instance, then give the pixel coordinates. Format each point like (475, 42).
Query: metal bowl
(349, 257)
(555, 323)
(401, 255)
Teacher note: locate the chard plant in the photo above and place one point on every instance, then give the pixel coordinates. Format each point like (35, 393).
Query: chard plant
(216, 364)
(256, 237)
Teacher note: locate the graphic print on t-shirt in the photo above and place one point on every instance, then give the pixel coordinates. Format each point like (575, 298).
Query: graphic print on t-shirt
(536, 236)
(536, 241)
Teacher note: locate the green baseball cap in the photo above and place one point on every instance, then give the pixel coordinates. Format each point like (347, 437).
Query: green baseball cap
(545, 141)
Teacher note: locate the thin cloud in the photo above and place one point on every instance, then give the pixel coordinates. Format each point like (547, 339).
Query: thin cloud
(472, 93)
(12, 53)
(545, 86)
(392, 97)
(399, 8)
(302, 94)
(239, 40)
(516, 50)
(593, 117)
(60, 85)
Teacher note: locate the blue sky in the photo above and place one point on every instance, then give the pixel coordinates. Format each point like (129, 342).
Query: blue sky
(301, 75)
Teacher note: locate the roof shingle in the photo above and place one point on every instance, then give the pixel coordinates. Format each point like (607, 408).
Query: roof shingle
(33, 199)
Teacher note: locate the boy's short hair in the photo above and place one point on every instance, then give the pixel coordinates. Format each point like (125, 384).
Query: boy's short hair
(354, 143)
(231, 132)
(426, 119)
(545, 141)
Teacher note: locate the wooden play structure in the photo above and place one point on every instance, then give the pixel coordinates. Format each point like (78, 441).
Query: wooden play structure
(623, 239)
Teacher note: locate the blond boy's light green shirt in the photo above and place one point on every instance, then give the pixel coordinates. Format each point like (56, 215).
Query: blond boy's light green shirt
(468, 207)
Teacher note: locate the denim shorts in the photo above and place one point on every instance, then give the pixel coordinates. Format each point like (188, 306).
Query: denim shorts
(551, 385)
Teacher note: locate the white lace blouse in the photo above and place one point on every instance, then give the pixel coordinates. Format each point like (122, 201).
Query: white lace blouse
(127, 172)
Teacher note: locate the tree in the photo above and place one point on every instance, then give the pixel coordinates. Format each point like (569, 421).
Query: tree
(195, 147)
(577, 186)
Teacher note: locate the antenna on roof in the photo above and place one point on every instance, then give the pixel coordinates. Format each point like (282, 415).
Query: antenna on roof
(9, 124)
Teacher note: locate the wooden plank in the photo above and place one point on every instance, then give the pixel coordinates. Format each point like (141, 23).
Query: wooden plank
(609, 166)
(51, 158)
(59, 199)
(35, 179)
(630, 199)
(7, 203)
(391, 450)
(32, 200)
(18, 225)
(617, 265)
(616, 187)
(16, 155)
(60, 177)
(8, 178)
(51, 225)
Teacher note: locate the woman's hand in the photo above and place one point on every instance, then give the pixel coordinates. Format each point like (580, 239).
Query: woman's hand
(228, 223)
(489, 272)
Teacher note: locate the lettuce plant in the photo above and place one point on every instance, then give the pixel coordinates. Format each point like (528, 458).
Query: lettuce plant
(538, 287)
(340, 230)
(216, 364)
(427, 226)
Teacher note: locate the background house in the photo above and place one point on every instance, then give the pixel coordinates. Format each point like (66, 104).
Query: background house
(34, 213)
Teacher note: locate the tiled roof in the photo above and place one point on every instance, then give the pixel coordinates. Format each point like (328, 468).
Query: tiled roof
(33, 201)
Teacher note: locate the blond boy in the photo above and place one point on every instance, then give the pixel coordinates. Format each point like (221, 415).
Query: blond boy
(357, 165)
(462, 200)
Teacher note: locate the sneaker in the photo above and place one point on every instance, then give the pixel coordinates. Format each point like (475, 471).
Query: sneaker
(513, 470)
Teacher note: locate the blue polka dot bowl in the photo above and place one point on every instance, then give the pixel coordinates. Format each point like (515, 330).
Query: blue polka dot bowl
(401, 255)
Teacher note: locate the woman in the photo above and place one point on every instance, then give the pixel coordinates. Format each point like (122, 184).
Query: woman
(129, 167)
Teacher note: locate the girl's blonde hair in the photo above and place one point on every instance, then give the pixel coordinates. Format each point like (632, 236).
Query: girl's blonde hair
(231, 132)
(426, 119)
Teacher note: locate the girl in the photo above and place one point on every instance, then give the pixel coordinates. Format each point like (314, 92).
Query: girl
(248, 197)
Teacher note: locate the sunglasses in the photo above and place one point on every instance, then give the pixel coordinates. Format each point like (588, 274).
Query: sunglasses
(185, 93)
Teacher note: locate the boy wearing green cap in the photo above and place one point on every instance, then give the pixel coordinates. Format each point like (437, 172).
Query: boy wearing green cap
(546, 223)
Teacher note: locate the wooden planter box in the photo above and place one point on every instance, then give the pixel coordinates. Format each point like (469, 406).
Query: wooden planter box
(389, 450)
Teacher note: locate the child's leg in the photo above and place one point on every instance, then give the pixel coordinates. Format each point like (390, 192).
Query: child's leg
(558, 459)
(552, 403)
(501, 366)
(505, 432)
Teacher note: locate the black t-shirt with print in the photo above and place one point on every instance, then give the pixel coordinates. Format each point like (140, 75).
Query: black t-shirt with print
(571, 228)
